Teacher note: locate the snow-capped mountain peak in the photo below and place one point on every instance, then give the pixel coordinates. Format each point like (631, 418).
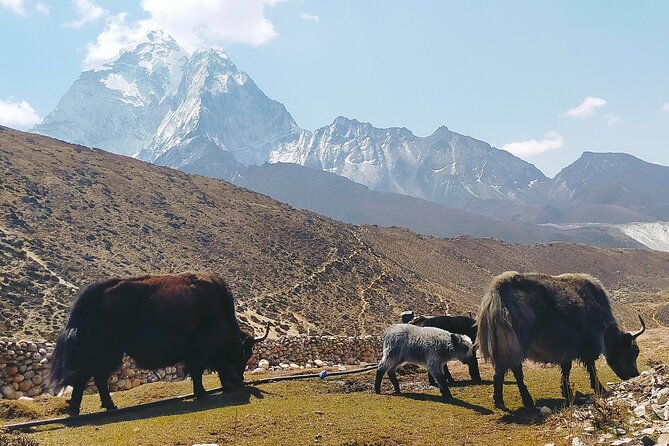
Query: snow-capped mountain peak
(119, 105)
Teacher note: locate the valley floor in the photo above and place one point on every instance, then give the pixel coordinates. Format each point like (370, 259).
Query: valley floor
(341, 411)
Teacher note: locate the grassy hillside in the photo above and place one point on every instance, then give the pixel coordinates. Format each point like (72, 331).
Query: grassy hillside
(70, 215)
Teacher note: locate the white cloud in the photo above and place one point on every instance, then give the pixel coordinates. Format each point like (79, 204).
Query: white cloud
(611, 119)
(117, 35)
(665, 107)
(309, 17)
(533, 147)
(14, 5)
(18, 114)
(42, 8)
(87, 11)
(587, 108)
(194, 24)
(211, 22)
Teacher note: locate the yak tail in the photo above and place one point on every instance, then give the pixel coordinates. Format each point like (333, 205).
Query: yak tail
(63, 360)
(497, 339)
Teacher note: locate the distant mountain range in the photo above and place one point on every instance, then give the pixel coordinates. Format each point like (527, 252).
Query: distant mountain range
(198, 113)
(342, 199)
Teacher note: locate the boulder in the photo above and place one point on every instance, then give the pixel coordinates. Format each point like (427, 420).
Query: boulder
(662, 440)
(8, 392)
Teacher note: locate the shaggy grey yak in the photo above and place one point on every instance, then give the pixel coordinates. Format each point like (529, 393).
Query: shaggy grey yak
(555, 320)
(428, 347)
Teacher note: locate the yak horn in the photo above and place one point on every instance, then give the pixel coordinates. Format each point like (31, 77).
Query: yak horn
(640, 332)
(263, 337)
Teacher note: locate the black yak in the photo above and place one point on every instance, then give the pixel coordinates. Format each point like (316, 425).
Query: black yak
(428, 347)
(552, 319)
(156, 320)
(455, 324)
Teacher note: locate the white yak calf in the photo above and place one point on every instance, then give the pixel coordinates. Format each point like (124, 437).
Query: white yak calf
(428, 347)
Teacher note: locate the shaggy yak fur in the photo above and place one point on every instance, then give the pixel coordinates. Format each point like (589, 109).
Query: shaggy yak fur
(156, 320)
(455, 324)
(552, 319)
(428, 347)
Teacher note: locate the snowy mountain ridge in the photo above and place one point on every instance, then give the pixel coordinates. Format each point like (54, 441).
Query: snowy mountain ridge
(445, 167)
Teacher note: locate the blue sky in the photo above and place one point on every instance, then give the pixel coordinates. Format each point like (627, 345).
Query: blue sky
(545, 79)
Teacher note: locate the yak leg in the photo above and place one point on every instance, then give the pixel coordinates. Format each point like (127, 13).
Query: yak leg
(103, 391)
(196, 372)
(473, 365)
(78, 386)
(392, 374)
(528, 402)
(594, 381)
(380, 371)
(564, 382)
(498, 397)
(448, 375)
(440, 376)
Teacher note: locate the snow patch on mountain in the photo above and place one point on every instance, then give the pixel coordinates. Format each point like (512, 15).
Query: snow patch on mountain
(128, 90)
(653, 235)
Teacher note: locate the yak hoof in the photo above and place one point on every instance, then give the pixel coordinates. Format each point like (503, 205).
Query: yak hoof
(528, 403)
(112, 407)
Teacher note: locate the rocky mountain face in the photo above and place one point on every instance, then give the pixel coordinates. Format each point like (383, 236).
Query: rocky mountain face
(119, 105)
(612, 179)
(219, 121)
(445, 167)
(197, 113)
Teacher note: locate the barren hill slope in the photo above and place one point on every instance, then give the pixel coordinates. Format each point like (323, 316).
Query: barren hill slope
(70, 215)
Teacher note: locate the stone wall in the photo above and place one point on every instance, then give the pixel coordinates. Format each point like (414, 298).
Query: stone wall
(24, 365)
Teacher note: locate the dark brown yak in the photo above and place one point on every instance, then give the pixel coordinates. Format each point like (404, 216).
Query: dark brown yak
(552, 319)
(158, 321)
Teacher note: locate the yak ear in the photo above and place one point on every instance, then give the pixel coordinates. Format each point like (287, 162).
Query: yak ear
(455, 339)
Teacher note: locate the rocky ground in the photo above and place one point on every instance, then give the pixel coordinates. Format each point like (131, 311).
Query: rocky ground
(636, 412)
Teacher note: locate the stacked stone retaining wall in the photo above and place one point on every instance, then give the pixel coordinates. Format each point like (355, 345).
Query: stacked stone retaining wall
(24, 365)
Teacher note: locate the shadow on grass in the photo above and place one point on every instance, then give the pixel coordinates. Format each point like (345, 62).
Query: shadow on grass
(533, 415)
(467, 383)
(452, 401)
(212, 401)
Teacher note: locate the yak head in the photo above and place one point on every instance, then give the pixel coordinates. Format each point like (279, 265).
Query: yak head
(622, 350)
(463, 347)
(249, 341)
(233, 375)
